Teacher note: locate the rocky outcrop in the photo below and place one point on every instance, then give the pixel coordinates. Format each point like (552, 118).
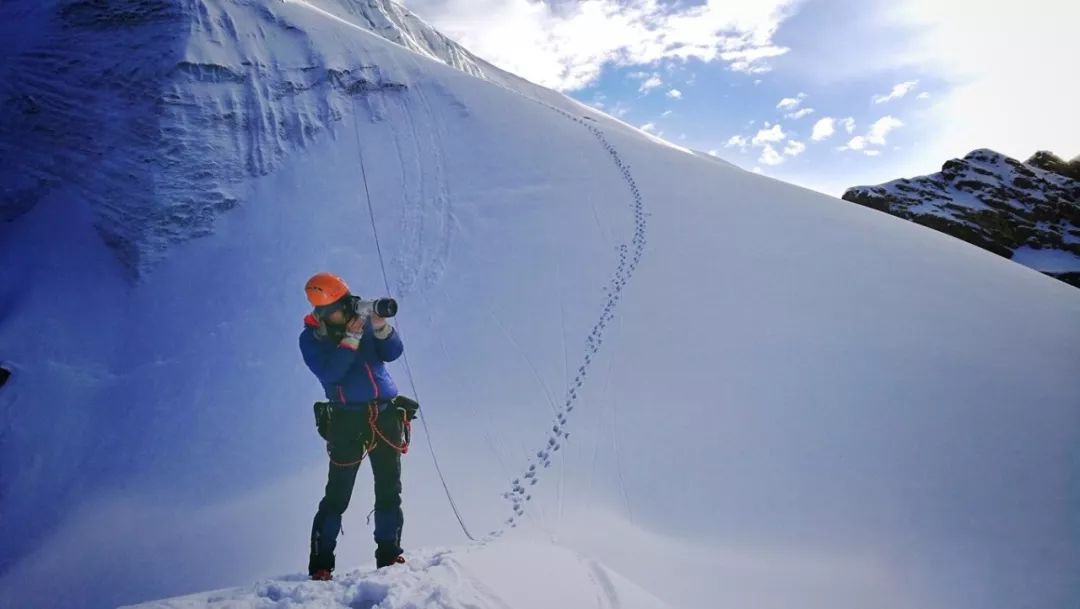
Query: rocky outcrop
(1028, 212)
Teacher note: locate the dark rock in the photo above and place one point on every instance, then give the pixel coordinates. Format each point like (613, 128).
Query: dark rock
(1049, 161)
(992, 201)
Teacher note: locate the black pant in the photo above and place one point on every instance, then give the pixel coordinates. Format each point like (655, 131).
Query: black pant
(348, 432)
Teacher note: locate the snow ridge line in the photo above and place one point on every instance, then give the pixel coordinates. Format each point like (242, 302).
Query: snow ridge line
(629, 257)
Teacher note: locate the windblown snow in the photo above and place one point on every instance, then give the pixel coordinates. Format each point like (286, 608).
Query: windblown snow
(649, 378)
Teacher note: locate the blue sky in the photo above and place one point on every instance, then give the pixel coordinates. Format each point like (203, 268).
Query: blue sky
(902, 85)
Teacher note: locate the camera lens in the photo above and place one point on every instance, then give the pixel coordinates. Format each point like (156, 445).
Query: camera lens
(385, 307)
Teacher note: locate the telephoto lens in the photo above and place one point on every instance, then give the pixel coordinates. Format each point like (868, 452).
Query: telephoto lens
(385, 307)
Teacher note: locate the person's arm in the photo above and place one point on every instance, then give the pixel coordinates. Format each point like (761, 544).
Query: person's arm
(329, 365)
(387, 340)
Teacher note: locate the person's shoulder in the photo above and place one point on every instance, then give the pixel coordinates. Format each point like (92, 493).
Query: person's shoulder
(307, 335)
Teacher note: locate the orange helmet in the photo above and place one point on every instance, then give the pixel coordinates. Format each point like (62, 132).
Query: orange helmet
(325, 288)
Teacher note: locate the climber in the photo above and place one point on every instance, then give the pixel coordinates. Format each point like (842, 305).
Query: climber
(346, 345)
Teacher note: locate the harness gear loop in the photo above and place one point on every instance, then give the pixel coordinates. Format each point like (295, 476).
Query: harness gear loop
(406, 427)
(377, 434)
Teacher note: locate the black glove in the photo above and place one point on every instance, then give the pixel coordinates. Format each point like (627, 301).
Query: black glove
(322, 419)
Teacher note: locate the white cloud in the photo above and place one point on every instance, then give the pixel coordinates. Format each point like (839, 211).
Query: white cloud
(880, 129)
(565, 44)
(898, 91)
(714, 152)
(794, 148)
(848, 124)
(790, 103)
(650, 83)
(739, 141)
(770, 156)
(665, 113)
(875, 136)
(749, 60)
(772, 134)
(856, 143)
(994, 96)
(796, 115)
(823, 129)
(674, 94)
(647, 127)
(923, 95)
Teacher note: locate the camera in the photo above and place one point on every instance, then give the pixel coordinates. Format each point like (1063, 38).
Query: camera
(358, 307)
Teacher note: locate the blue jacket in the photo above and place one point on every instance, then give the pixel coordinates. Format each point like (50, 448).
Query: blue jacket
(347, 375)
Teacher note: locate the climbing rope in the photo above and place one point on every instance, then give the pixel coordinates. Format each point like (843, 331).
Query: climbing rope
(405, 356)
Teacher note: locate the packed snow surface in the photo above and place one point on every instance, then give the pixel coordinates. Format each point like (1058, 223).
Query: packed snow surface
(523, 576)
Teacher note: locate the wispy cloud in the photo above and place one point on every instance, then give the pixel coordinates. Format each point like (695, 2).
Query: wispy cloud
(796, 115)
(674, 94)
(898, 91)
(650, 83)
(988, 84)
(790, 103)
(648, 127)
(565, 45)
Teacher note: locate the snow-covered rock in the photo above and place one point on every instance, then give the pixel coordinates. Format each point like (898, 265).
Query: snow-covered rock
(1029, 212)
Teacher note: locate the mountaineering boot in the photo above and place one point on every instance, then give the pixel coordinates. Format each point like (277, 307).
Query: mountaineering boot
(388, 554)
(397, 560)
(322, 575)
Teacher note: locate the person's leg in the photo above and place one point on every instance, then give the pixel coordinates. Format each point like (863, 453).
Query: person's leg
(346, 450)
(386, 468)
(327, 522)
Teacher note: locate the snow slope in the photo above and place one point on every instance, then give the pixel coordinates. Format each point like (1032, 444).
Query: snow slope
(729, 390)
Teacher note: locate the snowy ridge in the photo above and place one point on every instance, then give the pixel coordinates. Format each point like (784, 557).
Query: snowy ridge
(397, 24)
(188, 95)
